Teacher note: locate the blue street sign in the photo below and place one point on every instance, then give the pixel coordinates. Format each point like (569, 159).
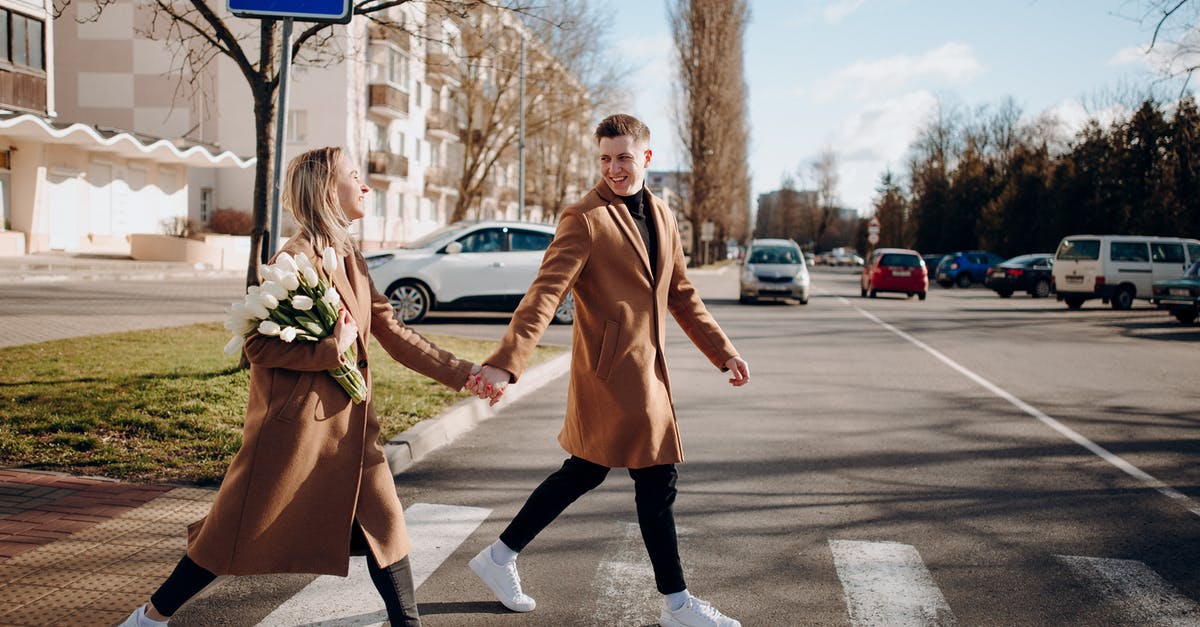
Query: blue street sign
(338, 11)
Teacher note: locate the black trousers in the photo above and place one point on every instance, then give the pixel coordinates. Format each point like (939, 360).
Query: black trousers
(654, 490)
(394, 583)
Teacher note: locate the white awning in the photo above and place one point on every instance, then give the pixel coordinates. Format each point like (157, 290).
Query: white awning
(125, 144)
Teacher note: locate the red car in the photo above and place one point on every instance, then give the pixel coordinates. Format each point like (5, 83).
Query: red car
(895, 270)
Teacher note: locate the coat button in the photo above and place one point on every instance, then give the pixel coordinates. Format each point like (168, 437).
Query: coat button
(362, 363)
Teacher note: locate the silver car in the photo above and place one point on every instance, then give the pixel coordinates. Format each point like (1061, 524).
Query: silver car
(774, 268)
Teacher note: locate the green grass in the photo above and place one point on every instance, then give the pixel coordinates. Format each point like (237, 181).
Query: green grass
(167, 404)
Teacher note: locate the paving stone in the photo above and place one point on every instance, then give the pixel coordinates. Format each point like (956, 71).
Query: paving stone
(15, 595)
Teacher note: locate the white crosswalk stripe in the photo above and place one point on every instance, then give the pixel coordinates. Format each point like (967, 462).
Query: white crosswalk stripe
(886, 583)
(624, 584)
(1141, 595)
(435, 532)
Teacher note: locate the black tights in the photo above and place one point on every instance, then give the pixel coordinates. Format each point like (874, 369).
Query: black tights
(394, 583)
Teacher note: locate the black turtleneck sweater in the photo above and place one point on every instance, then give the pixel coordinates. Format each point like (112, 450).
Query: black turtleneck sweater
(639, 208)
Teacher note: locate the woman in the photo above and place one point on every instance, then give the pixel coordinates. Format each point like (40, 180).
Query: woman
(310, 479)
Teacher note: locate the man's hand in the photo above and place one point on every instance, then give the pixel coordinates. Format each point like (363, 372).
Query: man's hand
(739, 370)
(488, 382)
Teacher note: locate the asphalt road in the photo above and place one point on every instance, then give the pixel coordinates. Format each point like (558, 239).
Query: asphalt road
(967, 459)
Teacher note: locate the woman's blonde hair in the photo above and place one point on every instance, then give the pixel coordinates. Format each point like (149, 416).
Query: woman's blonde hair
(310, 195)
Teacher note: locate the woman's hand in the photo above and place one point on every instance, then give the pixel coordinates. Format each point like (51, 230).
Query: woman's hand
(488, 382)
(345, 331)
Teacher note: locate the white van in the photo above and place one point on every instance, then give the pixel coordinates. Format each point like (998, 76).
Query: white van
(1118, 268)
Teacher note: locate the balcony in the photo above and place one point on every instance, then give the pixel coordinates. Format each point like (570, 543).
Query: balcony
(384, 98)
(508, 194)
(23, 91)
(387, 164)
(438, 121)
(442, 178)
(391, 34)
(440, 64)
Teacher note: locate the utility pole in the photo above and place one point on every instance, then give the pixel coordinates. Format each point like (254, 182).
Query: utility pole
(521, 142)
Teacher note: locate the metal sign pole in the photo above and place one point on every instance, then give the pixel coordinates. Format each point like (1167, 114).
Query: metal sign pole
(285, 67)
(521, 142)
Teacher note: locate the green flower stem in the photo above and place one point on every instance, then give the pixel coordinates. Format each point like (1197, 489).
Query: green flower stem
(348, 376)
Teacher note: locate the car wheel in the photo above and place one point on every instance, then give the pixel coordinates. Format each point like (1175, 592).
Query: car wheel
(1122, 299)
(921, 295)
(908, 294)
(410, 300)
(1074, 303)
(1185, 316)
(864, 292)
(804, 301)
(945, 283)
(565, 314)
(1041, 289)
(1005, 293)
(872, 293)
(963, 280)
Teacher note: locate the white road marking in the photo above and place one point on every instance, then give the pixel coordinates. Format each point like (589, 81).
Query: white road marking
(1142, 595)
(1070, 434)
(624, 585)
(886, 583)
(435, 532)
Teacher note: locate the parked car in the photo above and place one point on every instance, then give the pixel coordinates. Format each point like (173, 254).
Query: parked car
(1118, 268)
(774, 268)
(1026, 273)
(964, 268)
(932, 262)
(1179, 296)
(895, 270)
(467, 266)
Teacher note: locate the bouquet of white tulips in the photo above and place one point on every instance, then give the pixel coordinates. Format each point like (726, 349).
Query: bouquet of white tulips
(293, 303)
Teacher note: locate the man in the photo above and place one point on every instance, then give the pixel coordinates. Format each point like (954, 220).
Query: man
(618, 251)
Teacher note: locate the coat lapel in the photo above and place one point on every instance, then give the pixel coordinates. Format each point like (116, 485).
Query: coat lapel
(660, 232)
(344, 281)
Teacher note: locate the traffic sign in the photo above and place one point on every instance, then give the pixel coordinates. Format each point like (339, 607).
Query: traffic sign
(336, 11)
(872, 238)
(873, 226)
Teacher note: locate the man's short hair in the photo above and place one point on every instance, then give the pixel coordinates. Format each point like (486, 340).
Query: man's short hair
(622, 124)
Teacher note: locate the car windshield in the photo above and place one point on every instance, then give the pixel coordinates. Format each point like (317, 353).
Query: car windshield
(1023, 260)
(1079, 249)
(436, 236)
(774, 255)
(900, 261)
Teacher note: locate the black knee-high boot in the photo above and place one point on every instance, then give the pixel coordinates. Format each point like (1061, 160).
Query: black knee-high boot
(395, 585)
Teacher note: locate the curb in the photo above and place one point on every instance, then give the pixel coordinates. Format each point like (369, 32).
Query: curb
(427, 436)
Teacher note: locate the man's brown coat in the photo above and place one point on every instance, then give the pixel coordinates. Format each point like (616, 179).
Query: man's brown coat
(619, 408)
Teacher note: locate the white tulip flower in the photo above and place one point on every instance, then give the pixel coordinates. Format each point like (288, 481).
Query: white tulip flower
(285, 262)
(255, 308)
(238, 310)
(253, 290)
(288, 334)
(268, 273)
(302, 261)
(289, 281)
(274, 289)
(329, 260)
(310, 276)
(269, 327)
(268, 301)
(239, 325)
(302, 302)
(234, 346)
(332, 297)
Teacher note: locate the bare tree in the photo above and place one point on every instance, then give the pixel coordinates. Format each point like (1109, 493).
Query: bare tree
(825, 175)
(710, 95)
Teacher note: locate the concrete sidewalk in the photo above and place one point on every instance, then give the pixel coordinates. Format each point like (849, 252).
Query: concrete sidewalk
(51, 267)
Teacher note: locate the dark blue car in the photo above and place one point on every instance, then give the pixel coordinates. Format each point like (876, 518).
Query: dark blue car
(964, 268)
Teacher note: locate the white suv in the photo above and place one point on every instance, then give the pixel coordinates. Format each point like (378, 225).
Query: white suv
(467, 266)
(1118, 268)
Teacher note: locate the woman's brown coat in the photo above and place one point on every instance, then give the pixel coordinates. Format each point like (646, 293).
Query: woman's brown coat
(619, 409)
(310, 462)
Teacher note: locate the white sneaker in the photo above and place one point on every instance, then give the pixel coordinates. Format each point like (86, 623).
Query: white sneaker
(139, 619)
(695, 613)
(503, 581)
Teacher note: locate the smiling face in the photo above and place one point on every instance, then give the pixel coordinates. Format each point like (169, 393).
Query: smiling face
(351, 191)
(623, 162)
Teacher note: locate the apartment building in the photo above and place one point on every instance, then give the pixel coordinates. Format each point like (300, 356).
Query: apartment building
(70, 184)
(390, 91)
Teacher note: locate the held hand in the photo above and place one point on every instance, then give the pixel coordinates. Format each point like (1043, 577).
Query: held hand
(489, 383)
(739, 371)
(345, 331)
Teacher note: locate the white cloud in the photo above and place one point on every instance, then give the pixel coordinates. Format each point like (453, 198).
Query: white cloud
(1164, 58)
(874, 138)
(838, 11)
(951, 63)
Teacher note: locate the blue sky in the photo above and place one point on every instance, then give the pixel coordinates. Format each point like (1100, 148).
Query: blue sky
(860, 76)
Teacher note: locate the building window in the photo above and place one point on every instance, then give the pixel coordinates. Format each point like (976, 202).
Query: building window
(378, 137)
(297, 126)
(400, 206)
(206, 200)
(22, 40)
(380, 201)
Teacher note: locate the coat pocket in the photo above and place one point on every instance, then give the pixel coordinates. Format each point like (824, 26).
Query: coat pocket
(608, 348)
(289, 389)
